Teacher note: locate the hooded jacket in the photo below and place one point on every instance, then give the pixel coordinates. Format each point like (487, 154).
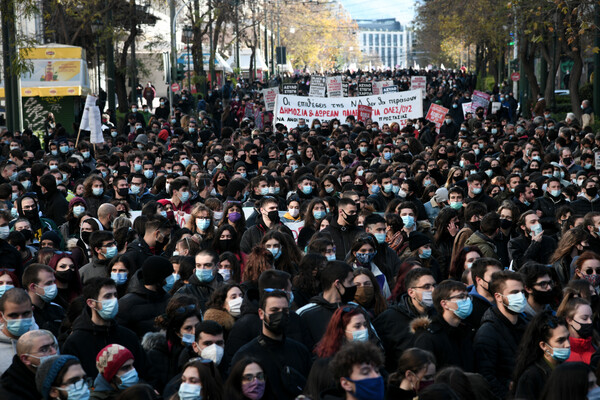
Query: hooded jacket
(103, 390)
(139, 307)
(496, 344)
(94, 269)
(343, 237)
(18, 382)
(8, 348)
(315, 316)
(87, 339)
(483, 243)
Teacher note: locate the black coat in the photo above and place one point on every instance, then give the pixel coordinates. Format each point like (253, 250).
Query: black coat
(255, 233)
(548, 206)
(164, 359)
(94, 202)
(56, 207)
(343, 237)
(139, 307)
(392, 326)
(18, 382)
(138, 251)
(522, 249)
(582, 206)
(532, 381)
(480, 306)
(380, 200)
(275, 356)
(50, 317)
(315, 316)
(496, 344)
(201, 290)
(87, 339)
(490, 203)
(450, 345)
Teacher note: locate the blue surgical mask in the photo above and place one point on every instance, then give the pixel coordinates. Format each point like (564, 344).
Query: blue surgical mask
(425, 254)
(184, 196)
(189, 392)
(119, 277)
(560, 354)
(264, 191)
(50, 292)
(426, 182)
(137, 167)
(4, 288)
(111, 252)
(516, 302)
(188, 339)
(380, 237)
(202, 223)
(360, 335)
(330, 257)
(134, 189)
(97, 191)
(388, 188)
(276, 251)
(204, 275)
(170, 281)
(476, 191)
(19, 326)
(109, 310)
(307, 189)
(457, 205)
(185, 162)
(465, 307)
(148, 174)
(555, 193)
(129, 379)
(83, 393)
(387, 156)
(319, 214)
(409, 221)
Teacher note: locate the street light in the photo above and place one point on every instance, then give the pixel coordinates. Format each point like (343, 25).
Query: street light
(188, 34)
(97, 26)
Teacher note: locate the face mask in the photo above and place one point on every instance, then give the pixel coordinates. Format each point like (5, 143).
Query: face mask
(465, 307)
(364, 295)
(380, 237)
(184, 196)
(235, 306)
(350, 219)
(119, 277)
(18, 327)
(592, 192)
(185, 162)
(476, 191)
(273, 216)
(202, 223)
(363, 149)
(189, 392)
(77, 394)
(374, 189)
(254, 390)
(26, 184)
(213, 353)
(4, 232)
(360, 335)
(54, 153)
(409, 221)
(593, 279)
(129, 379)
(234, 216)
(330, 257)
(276, 251)
(111, 252)
(365, 258)
(97, 191)
(425, 254)
(516, 302)
(456, 205)
(585, 330)
(369, 388)
(427, 299)
(109, 310)
(204, 275)
(277, 322)
(169, 281)
(307, 189)
(135, 189)
(402, 193)
(560, 354)
(49, 293)
(4, 288)
(536, 229)
(294, 212)
(264, 191)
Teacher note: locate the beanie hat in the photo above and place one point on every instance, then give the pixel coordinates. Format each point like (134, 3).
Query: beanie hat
(155, 269)
(163, 135)
(418, 239)
(110, 359)
(142, 138)
(51, 235)
(76, 200)
(164, 202)
(48, 371)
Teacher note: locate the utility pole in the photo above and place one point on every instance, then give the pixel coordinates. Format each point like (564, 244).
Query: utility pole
(596, 97)
(266, 41)
(110, 65)
(173, 52)
(237, 36)
(12, 89)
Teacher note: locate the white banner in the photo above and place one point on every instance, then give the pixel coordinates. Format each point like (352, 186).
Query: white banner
(334, 86)
(269, 96)
(387, 108)
(317, 86)
(91, 120)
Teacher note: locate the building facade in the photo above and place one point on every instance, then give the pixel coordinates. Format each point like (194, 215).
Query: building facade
(385, 42)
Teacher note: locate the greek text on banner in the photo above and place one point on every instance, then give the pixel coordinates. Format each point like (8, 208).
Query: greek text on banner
(387, 108)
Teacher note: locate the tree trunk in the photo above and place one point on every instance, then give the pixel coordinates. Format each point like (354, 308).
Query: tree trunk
(574, 81)
(121, 73)
(527, 58)
(553, 61)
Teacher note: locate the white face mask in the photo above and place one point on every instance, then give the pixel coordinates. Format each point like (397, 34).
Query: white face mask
(213, 353)
(235, 306)
(294, 212)
(4, 231)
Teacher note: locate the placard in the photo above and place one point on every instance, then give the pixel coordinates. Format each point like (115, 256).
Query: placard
(386, 108)
(481, 99)
(436, 114)
(269, 96)
(496, 106)
(390, 89)
(365, 88)
(334, 86)
(597, 158)
(317, 86)
(345, 88)
(467, 108)
(289, 88)
(364, 113)
(418, 82)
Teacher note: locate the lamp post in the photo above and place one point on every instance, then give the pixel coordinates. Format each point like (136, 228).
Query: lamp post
(97, 26)
(188, 34)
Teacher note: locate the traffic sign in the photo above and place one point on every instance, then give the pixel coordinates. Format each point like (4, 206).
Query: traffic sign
(175, 87)
(515, 76)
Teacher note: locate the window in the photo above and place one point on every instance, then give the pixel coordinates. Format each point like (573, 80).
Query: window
(389, 39)
(370, 39)
(396, 40)
(377, 40)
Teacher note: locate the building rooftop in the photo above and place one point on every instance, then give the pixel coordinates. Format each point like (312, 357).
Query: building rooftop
(386, 24)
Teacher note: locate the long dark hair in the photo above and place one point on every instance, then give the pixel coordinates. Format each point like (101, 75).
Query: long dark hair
(304, 280)
(234, 243)
(441, 224)
(567, 381)
(378, 305)
(233, 386)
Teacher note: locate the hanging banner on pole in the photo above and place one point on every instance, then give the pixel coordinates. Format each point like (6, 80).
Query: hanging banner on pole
(386, 108)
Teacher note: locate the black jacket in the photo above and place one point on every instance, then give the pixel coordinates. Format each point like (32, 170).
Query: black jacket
(56, 207)
(276, 356)
(522, 249)
(490, 203)
(496, 344)
(201, 290)
(163, 358)
(343, 237)
(450, 345)
(94, 202)
(18, 382)
(582, 206)
(50, 317)
(139, 307)
(315, 316)
(138, 251)
(388, 262)
(548, 206)
(532, 381)
(392, 326)
(380, 201)
(87, 339)
(254, 234)
(11, 258)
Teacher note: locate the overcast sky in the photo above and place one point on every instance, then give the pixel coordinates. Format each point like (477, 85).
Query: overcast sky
(402, 10)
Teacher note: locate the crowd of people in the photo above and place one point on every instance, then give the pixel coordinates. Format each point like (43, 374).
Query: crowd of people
(203, 253)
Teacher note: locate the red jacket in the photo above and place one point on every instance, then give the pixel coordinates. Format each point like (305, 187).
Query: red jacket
(581, 350)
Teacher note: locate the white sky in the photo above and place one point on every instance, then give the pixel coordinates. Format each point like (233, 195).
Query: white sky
(402, 10)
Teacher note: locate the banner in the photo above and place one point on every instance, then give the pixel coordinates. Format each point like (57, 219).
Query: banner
(467, 108)
(364, 113)
(481, 99)
(379, 86)
(436, 114)
(496, 106)
(317, 86)
(334, 86)
(419, 82)
(365, 88)
(386, 108)
(91, 120)
(289, 88)
(269, 96)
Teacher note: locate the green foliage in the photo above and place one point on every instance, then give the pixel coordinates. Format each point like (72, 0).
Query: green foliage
(587, 91)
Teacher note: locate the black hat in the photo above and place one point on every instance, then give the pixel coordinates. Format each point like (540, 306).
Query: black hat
(155, 269)
(418, 239)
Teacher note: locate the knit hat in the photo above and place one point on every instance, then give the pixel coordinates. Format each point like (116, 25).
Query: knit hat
(110, 359)
(51, 235)
(76, 200)
(441, 195)
(163, 135)
(48, 371)
(155, 269)
(164, 202)
(418, 239)
(141, 138)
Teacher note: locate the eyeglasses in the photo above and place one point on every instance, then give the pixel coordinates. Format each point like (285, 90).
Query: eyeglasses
(429, 286)
(250, 377)
(348, 309)
(545, 284)
(182, 310)
(462, 296)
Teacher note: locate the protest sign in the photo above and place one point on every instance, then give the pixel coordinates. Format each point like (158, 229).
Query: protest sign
(364, 113)
(390, 89)
(269, 96)
(379, 86)
(467, 108)
(597, 160)
(481, 99)
(91, 121)
(496, 106)
(418, 82)
(317, 86)
(436, 114)
(386, 108)
(365, 88)
(345, 88)
(334, 86)
(289, 88)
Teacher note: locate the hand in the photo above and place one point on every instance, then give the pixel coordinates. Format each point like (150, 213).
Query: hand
(538, 237)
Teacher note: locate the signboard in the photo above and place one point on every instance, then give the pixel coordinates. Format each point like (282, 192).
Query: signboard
(175, 87)
(496, 106)
(365, 88)
(481, 99)
(390, 89)
(378, 86)
(419, 82)
(345, 88)
(317, 86)
(364, 113)
(289, 88)
(334, 86)
(467, 108)
(515, 76)
(386, 108)
(269, 96)
(436, 114)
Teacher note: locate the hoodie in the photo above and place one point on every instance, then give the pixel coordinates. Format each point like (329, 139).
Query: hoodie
(8, 348)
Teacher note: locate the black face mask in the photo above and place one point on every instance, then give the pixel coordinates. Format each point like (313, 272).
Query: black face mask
(31, 214)
(541, 297)
(276, 322)
(123, 192)
(585, 330)
(85, 236)
(567, 161)
(505, 223)
(475, 225)
(224, 244)
(254, 158)
(27, 234)
(222, 182)
(349, 293)
(350, 219)
(65, 276)
(273, 216)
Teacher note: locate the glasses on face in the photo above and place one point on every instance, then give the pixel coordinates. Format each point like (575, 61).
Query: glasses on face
(428, 286)
(545, 284)
(251, 377)
(462, 296)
